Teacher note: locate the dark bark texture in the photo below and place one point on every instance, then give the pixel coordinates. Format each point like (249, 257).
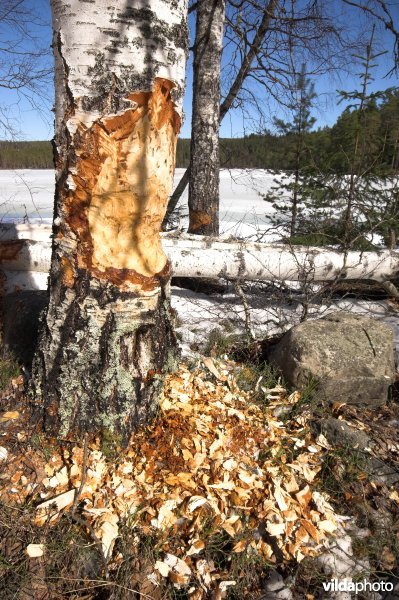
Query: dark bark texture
(203, 198)
(232, 94)
(101, 359)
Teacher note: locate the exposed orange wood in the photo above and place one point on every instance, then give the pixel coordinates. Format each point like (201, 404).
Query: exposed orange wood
(123, 179)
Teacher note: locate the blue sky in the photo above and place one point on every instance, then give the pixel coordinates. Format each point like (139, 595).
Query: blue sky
(34, 124)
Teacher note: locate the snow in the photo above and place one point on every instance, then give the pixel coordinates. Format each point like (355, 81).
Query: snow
(243, 212)
(28, 195)
(273, 310)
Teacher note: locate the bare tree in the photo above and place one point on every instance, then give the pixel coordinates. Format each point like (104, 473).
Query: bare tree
(261, 40)
(108, 338)
(385, 15)
(264, 41)
(247, 59)
(203, 197)
(25, 62)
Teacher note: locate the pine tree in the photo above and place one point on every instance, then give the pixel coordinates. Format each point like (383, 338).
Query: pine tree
(289, 189)
(353, 196)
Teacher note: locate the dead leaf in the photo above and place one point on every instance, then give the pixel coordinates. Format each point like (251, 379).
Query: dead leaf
(210, 365)
(51, 508)
(196, 547)
(162, 567)
(106, 529)
(9, 416)
(240, 546)
(327, 525)
(388, 559)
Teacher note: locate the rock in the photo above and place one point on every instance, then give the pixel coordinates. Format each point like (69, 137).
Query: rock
(340, 433)
(276, 589)
(350, 357)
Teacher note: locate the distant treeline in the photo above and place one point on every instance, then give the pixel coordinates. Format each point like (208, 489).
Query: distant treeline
(257, 152)
(372, 135)
(266, 151)
(26, 155)
(326, 149)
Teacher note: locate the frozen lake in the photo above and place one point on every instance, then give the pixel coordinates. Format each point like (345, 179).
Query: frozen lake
(29, 195)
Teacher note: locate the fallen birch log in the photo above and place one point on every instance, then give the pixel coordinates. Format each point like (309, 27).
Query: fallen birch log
(22, 281)
(25, 231)
(25, 263)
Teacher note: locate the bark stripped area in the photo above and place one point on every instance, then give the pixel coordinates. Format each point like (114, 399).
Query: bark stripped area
(122, 184)
(107, 338)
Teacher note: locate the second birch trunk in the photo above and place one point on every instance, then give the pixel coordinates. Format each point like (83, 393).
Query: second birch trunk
(203, 195)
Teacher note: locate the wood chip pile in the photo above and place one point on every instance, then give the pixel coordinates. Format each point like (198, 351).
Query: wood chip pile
(212, 463)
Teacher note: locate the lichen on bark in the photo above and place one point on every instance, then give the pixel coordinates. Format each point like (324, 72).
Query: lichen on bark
(109, 331)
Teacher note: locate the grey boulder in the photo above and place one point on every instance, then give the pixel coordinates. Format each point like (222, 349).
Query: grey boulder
(351, 358)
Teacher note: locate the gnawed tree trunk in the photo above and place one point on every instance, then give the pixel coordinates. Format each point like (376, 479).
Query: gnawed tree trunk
(107, 338)
(203, 194)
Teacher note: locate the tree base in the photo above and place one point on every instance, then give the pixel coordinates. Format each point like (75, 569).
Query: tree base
(101, 359)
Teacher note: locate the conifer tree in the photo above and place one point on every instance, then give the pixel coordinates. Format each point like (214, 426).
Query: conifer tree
(296, 129)
(353, 195)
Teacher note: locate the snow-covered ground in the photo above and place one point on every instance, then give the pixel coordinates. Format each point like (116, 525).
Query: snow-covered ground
(29, 195)
(243, 211)
(272, 311)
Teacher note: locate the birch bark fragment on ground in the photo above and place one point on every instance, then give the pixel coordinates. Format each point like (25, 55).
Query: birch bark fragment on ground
(107, 338)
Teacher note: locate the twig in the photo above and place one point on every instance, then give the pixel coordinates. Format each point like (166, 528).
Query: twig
(100, 583)
(79, 491)
(248, 324)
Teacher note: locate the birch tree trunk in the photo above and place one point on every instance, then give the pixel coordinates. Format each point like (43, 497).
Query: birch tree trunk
(107, 338)
(203, 195)
(246, 64)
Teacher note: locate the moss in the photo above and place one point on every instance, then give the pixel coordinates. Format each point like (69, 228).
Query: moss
(253, 377)
(9, 369)
(110, 443)
(220, 343)
(109, 364)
